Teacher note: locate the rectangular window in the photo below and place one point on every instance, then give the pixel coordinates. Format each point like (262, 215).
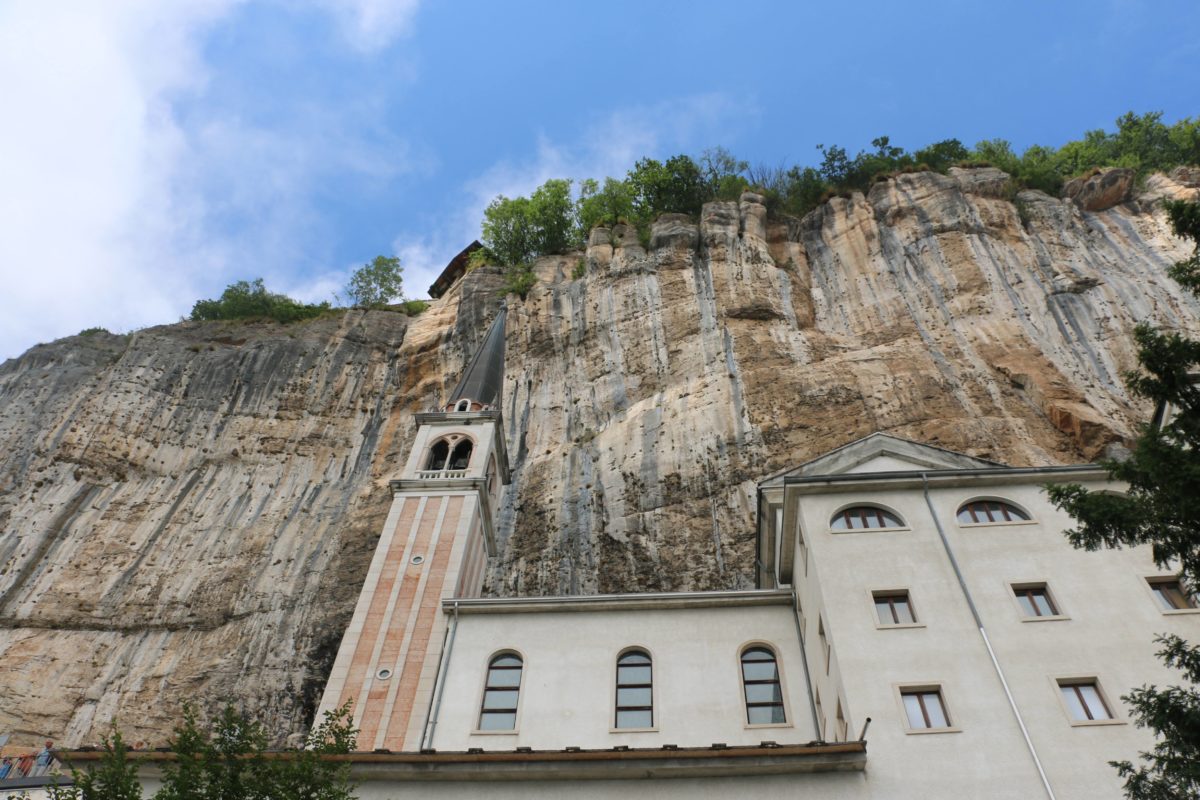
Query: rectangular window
(1170, 594)
(894, 608)
(1035, 600)
(925, 709)
(1084, 701)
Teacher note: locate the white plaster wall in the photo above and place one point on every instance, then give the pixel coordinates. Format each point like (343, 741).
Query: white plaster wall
(1112, 620)
(568, 686)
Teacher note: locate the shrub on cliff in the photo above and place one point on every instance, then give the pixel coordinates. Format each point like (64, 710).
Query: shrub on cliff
(250, 299)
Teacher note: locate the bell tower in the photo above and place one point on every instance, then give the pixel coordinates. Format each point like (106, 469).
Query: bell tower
(434, 545)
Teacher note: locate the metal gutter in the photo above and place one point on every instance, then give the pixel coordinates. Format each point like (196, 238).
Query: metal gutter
(964, 477)
(962, 584)
(618, 602)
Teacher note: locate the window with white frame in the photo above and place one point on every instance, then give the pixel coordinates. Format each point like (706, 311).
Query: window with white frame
(761, 686)
(501, 693)
(635, 690)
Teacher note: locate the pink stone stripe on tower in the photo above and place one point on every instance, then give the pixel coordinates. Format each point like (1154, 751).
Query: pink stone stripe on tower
(361, 661)
(418, 646)
(386, 633)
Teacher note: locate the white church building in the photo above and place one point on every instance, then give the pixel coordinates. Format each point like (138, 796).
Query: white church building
(921, 629)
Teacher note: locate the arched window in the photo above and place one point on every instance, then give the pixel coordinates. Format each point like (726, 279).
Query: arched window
(461, 456)
(760, 680)
(635, 690)
(499, 711)
(863, 517)
(463, 405)
(990, 511)
(437, 455)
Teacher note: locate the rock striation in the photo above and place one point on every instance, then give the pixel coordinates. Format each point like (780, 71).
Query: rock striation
(188, 511)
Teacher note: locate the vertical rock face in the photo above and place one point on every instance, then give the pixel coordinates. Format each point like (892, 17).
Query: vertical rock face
(188, 512)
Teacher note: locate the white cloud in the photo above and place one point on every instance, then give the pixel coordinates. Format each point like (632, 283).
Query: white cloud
(608, 147)
(86, 208)
(370, 25)
(116, 212)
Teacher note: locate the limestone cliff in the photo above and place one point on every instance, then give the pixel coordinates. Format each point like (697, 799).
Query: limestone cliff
(188, 511)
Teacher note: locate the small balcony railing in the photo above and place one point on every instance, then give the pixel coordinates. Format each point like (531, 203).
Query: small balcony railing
(434, 474)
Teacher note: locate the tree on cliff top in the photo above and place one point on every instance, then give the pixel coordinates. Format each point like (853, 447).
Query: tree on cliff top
(1162, 509)
(376, 284)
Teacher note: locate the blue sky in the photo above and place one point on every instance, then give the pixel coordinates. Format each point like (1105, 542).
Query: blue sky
(155, 152)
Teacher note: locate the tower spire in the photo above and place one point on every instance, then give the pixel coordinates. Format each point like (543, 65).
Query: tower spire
(482, 382)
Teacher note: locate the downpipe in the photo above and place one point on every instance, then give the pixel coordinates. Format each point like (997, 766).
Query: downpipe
(435, 702)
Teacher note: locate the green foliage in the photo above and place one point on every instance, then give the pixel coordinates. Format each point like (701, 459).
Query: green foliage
(604, 206)
(92, 331)
(1185, 219)
(374, 285)
(673, 186)
(940, 156)
(480, 257)
(114, 778)
(249, 300)
(414, 307)
(724, 175)
(519, 280)
(519, 229)
(1161, 509)
(580, 269)
(226, 759)
(553, 215)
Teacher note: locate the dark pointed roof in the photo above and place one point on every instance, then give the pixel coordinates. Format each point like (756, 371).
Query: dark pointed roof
(483, 379)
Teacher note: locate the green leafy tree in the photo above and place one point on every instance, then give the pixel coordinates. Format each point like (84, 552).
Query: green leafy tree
(508, 230)
(675, 185)
(552, 214)
(940, 156)
(724, 174)
(517, 230)
(1160, 509)
(605, 205)
(114, 778)
(306, 775)
(376, 284)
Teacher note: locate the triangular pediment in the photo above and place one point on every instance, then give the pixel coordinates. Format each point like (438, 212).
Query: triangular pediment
(882, 452)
